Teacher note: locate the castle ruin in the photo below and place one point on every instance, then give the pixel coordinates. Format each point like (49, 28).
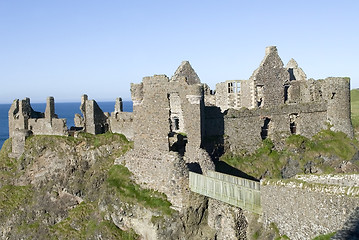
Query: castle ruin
(173, 118)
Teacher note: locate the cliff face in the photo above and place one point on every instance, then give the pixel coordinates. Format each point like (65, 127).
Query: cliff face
(68, 188)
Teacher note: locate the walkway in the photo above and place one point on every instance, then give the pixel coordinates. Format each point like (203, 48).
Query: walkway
(236, 191)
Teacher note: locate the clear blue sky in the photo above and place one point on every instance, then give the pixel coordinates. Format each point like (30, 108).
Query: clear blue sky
(64, 48)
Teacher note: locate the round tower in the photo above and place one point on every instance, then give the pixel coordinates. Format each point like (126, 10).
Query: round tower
(337, 92)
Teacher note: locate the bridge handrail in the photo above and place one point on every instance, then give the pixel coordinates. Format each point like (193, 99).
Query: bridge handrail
(235, 180)
(234, 194)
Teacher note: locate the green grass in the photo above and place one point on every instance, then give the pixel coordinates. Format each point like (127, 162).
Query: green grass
(334, 143)
(84, 222)
(101, 139)
(8, 166)
(12, 198)
(325, 237)
(265, 160)
(268, 162)
(39, 142)
(119, 179)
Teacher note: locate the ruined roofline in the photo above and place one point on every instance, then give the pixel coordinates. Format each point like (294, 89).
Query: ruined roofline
(187, 71)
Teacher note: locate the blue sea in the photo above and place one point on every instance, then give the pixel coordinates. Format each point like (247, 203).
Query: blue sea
(63, 110)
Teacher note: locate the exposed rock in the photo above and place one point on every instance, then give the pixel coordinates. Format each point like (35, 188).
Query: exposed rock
(228, 221)
(291, 169)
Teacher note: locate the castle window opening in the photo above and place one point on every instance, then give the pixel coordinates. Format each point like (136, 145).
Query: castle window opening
(286, 87)
(293, 128)
(291, 74)
(176, 123)
(264, 131)
(260, 102)
(234, 87)
(238, 87)
(260, 95)
(333, 94)
(293, 123)
(230, 87)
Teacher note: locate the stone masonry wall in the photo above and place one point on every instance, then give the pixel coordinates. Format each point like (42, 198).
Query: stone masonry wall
(273, 85)
(162, 171)
(95, 119)
(121, 122)
(151, 113)
(167, 110)
(270, 78)
(242, 128)
(43, 126)
(337, 93)
(221, 95)
(303, 211)
(22, 116)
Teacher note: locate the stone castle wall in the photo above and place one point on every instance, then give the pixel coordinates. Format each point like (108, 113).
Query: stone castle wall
(165, 172)
(168, 122)
(22, 116)
(278, 101)
(24, 121)
(243, 128)
(303, 211)
(122, 122)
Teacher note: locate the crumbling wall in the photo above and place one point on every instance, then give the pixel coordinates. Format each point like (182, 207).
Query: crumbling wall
(151, 113)
(282, 102)
(162, 171)
(22, 116)
(209, 96)
(93, 119)
(96, 120)
(221, 95)
(18, 142)
(247, 92)
(50, 124)
(121, 122)
(232, 94)
(269, 80)
(43, 126)
(19, 114)
(303, 211)
(243, 129)
(24, 121)
(168, 130)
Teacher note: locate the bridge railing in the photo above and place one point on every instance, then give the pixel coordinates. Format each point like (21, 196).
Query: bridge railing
(236, 191)
(235, 180)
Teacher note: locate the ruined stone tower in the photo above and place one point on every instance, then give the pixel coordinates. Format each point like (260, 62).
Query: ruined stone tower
(168, 132)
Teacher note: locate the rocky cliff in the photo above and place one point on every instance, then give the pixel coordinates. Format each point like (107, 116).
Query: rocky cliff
(68, 188)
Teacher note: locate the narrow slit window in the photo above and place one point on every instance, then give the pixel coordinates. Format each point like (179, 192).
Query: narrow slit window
(230, 87)
(264, 130)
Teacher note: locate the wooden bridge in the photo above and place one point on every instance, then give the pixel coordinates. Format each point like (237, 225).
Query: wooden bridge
(236, 191)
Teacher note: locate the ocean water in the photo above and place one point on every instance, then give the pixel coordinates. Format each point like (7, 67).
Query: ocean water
(63, 110)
